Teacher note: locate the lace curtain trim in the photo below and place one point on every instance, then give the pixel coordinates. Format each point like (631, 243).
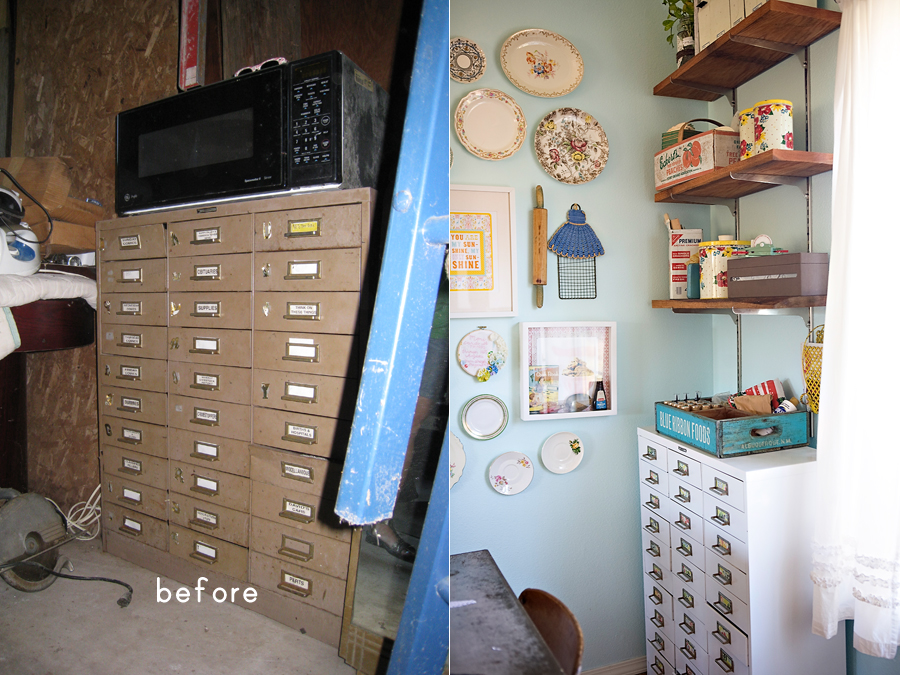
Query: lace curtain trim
(876, 579)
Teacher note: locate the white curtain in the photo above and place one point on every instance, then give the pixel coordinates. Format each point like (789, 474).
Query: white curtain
(856, 552)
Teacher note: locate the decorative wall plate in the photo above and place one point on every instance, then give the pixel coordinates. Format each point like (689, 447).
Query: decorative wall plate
(562, 452)
(490, 124)
(484, 417)
(467, 61)
(541, 63)
(511, 473)
(571, 146)
(482, 353)
(457, 459)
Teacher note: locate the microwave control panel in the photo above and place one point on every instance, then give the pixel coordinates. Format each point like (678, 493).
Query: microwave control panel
(313, 122)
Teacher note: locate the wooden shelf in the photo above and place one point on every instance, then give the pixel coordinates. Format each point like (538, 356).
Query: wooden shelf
(764, 39)
(741, 303)
(747, 176)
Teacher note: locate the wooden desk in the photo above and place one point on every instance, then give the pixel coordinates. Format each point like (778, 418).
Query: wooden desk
(493, 636)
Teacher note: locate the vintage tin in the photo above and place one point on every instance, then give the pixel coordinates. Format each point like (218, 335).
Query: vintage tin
(774, 126)
(726, 432)
(778, 276)
(714, 257)
(747, 132)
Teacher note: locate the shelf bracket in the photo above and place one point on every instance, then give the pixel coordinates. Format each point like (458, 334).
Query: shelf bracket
(729, 92)
(803, 313)
(798, 182)
(706, 201)
(783, 47)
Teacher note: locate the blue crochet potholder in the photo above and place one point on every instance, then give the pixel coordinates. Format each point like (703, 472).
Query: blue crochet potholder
(575, 238)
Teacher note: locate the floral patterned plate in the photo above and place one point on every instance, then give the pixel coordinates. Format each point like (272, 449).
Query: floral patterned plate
(571, 146)
(490, 124)
(467, 60)
(511, 473)
(541, 63)
(484, 417)
(482, 353)
(457, 459)
(562, 452)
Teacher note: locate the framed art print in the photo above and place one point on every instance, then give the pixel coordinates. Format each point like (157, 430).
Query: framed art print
(482, 264)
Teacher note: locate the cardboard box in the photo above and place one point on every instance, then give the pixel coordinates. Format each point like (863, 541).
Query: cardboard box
(738, 11)
(778, 276)
(695, 157)
(711, 19)
(684, 248)
(753, 5)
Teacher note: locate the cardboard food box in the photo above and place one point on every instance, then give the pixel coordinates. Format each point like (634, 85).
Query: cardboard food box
(727, 432)
(684, 248)
(696, 156)
(778, 276)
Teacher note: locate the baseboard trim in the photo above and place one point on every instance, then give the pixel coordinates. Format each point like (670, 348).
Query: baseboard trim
(631, 667)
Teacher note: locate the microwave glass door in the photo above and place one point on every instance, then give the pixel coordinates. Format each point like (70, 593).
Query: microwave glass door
(225, 139)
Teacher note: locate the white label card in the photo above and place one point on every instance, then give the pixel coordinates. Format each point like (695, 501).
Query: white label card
(301, 432)
(208, 271)
(130, 371)
(132, 464)
(206, 308)
(130, 308)
(131, 434)
(133, 495)
(296, 507)
(206, 517)
(300, 390)
(303, 309)
(206, 449)
(302, 268)
(302, 351)
(206, 484)
(206, 380)
(206, 344)
(133, 403)
(292, 580)
(292, 471)
(131, 275)
(205, 550)
(207, 415)
(130, 339)
(132, 524)
(129, 242)
(206, 235)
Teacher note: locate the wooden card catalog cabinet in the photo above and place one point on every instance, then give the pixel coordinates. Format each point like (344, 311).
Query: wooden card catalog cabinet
(228, 371)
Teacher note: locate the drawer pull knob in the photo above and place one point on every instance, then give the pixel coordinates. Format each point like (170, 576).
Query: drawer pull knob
(722, 546)
(267, 230)
(267, 269)
(179, 475)
(173, 343)
(658, 643)
(290, 588)
(176, 378)
(203, 558)
(655, 599)
(655, 574)
(658, 669)
(107, 305)
(108, 400)
(176, 276)
(686, 626)
(291, 553)
(723, 607)
(725, 663)
(265, 390)
(654, 551)
(102, 244)
(174, 308)
(202, 523)
(266, 308)
(176, 507)
(722, 517)
(723, 576)
(688, 650)
(722, 634)
(174, 239)
(720, 488)
(658, 620)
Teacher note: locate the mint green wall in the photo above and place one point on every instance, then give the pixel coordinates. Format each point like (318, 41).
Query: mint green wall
(577, 535)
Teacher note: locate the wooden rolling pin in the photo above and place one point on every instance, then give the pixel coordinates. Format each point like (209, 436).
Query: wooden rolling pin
(539, 247)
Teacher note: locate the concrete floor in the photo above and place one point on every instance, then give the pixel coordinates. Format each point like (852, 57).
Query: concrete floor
(76, 628)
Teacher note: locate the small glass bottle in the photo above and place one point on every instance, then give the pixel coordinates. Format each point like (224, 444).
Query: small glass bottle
(600, 397)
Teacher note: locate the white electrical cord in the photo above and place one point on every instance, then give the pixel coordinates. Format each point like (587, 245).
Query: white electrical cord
(83, 517)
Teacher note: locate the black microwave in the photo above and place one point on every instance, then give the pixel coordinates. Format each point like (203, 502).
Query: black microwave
(317, 123)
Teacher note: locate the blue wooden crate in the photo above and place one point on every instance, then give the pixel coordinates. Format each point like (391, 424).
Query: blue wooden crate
(726, 432)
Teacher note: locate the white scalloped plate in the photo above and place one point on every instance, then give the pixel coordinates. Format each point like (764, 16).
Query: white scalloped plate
(490, 124)
(457, 459)
(511, 473)
(562, 452)
(541, 63)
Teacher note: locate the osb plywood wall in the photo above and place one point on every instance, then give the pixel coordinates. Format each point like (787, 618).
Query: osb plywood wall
(80, 62)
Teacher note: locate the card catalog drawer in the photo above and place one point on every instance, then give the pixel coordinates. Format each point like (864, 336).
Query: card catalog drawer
(689, 550)
(134, 434)
(216, 418)
(141, 309)
(146, 406)
(320, 270)
(655, 525)
(219, 383)
(213, 519)
(294, 581)
(660, 644)
(687, 576)
(210, 273)
(324, 227)
(309, 434)
(139, 526)
(307, 353)
(722, 486)
(689, 655)
(135, 466)
(732, 549)
(727, 576)
(653, 477)
(133, 276)
(132, 243)
(685, 599)
(147, 342)
(656, 549)
(657, 665)
(687, 522)
(725, 516)
(691, 624)
(658, 572)
(722, 661)
(136, 496)
(656, 597)
(213, 309)
(722, 634)
(309, 513)
(685, 495)
(222, 454)
(208, 552)
(317, 312)
(654, 453)
(728, 604)
(209, 485)
(209, 345)
(657, 502)
(662, 623)
(294, 471)
(290, 544)
(213, 236)
(306, 393)
(686, 468)
(132, 372)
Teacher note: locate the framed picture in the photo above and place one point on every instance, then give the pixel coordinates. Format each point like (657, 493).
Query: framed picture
(482, 263)
(568, 369)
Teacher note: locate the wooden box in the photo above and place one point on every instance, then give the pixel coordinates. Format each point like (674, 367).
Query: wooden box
(778, 276)
(726, 432)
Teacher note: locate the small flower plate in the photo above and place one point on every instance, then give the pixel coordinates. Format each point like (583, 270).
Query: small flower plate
(511, 473)
(562, 452)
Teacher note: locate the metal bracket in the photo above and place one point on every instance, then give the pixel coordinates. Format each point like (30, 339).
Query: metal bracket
(783, 47)
(707, 201)
(802, 312)
(801, 183)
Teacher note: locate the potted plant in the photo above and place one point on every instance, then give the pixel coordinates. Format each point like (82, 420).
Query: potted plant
(679, 24)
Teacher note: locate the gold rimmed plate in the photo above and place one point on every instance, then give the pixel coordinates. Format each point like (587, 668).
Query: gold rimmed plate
(490, 124)
(571, 146)
(541, 63)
